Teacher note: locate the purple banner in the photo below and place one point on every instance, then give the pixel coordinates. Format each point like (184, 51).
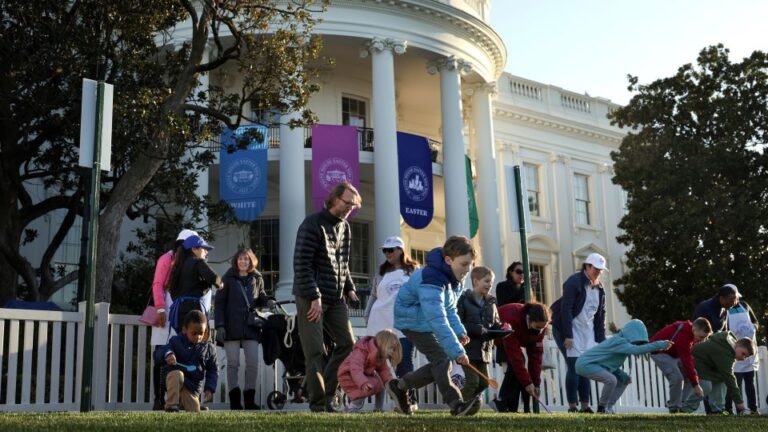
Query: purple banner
(335, 158)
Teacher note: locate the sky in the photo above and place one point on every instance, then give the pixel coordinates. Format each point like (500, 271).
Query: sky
(591, 45)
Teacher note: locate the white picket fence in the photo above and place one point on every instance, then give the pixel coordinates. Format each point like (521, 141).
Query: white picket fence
(41, 361)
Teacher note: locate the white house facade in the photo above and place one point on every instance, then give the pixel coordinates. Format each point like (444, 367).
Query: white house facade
(435, 69)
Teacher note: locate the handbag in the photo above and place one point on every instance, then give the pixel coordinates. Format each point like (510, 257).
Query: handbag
(254, 317)
(149, 316)
(548, 360)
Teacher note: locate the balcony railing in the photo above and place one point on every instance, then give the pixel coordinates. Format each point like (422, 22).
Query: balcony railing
(365, 141)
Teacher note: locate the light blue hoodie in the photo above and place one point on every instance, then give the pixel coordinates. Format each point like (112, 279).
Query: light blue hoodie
(610, 354)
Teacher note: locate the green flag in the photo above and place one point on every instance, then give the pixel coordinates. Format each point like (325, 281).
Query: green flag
(474, 221)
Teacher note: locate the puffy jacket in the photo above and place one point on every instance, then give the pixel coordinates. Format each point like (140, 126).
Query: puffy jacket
(514, 315)
(202, 356)
(683, 340)
(321, 258)
(569, 306)
(714, 312)
(507, 292)
(714, 359)
(611, 354)
(231, 311)
(427, 304)
(477, 319)
(362, 366)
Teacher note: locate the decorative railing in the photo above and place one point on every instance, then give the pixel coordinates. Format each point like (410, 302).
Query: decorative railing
(576, 103)
(525, 89)
(41, 358)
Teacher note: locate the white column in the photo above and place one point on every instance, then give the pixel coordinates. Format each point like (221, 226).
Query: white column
(387, 211)
(487, 196)
(454, 171)
(292, 199)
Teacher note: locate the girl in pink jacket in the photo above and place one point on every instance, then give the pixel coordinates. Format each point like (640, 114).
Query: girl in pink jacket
(365, 370)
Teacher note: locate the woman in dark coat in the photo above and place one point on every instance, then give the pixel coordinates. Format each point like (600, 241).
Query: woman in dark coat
(243, 290)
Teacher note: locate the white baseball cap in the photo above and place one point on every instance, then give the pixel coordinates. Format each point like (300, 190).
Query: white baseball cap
(393, 242)
(597, 261)
(185, 233)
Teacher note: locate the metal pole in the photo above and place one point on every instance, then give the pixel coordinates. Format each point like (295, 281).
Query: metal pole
(86, 394)
(524, 248)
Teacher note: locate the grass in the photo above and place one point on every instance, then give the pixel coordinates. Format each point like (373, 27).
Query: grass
(390, 422)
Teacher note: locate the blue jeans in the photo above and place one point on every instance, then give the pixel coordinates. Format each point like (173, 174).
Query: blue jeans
(575, 384)
(406, 364)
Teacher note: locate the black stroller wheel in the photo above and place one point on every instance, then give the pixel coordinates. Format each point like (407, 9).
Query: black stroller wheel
(276, 400)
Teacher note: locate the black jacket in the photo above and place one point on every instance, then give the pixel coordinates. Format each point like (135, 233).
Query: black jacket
(321, 258)
(477, 319)
(714, 312)
(195, 279)
(231, 311)
(507, 292)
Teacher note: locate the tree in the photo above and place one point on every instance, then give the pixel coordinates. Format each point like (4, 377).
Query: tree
(696, 176)
(154, 52)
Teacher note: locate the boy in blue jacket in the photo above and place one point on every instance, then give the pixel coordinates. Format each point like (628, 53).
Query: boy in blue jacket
(425, 311)
(603, 362)
(191, 359)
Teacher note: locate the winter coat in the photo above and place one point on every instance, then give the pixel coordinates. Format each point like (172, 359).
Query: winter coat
(569, 306)
(507, 292)
(361, 366)
(321, 258)
(683, 340)
(714, 312)
(477, 319)
(195, 279)
(231, 311)
(714, 360)
(610, 354)
(427, 304)
(513, 344)
(202, 356)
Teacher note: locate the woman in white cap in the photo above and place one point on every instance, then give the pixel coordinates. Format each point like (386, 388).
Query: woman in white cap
(162, 302)
(393, 273)
(578, 324)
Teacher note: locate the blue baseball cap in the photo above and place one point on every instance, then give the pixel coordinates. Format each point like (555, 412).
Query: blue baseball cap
(195, 241)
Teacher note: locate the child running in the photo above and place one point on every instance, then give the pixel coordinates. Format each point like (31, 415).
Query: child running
(365, 371)
(192, 359)
(425, 311)
(602, 363)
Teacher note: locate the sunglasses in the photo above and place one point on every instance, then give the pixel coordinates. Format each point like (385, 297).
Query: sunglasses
(388, 250)
(519, 271)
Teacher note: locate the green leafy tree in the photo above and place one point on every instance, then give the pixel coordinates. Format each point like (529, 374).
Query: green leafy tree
(155, 53)
(696, 176)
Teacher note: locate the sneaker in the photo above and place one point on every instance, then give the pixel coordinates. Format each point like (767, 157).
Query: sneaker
(586, 410)
(412, 402)
(675, 411)
(573, 410)
(600, 409)
(158, 405)
(498, 405)
(400, 397)
(172, 408)
(462, 408)
(477, 403)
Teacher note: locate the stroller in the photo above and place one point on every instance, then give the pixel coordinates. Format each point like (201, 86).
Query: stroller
(281, 341)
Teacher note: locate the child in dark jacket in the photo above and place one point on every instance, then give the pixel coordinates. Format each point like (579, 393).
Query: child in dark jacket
(477, 311)
(365, 371)
(192, 359)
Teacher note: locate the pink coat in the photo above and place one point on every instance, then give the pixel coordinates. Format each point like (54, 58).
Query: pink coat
(362, 366)
(162, 273)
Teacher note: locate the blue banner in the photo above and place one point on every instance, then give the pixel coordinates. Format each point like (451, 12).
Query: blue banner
(414, 160)
(243, 170)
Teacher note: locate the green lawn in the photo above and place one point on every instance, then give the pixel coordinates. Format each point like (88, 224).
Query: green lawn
(422, 422)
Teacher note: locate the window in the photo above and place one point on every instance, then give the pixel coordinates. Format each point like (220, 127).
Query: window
(539, 291)
(353, 112)
(265, 243)
(531, 173)
(419, 256)
(360, 254)
(581, 196)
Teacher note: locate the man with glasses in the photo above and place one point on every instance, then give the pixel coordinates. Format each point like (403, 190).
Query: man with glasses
(321, 281)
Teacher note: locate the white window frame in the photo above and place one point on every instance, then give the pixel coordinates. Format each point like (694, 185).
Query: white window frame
(580, 201)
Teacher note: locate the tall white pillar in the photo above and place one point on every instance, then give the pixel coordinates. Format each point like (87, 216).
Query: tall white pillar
(292, 199)
(454, 170)
(488, 201)
(385, 169)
